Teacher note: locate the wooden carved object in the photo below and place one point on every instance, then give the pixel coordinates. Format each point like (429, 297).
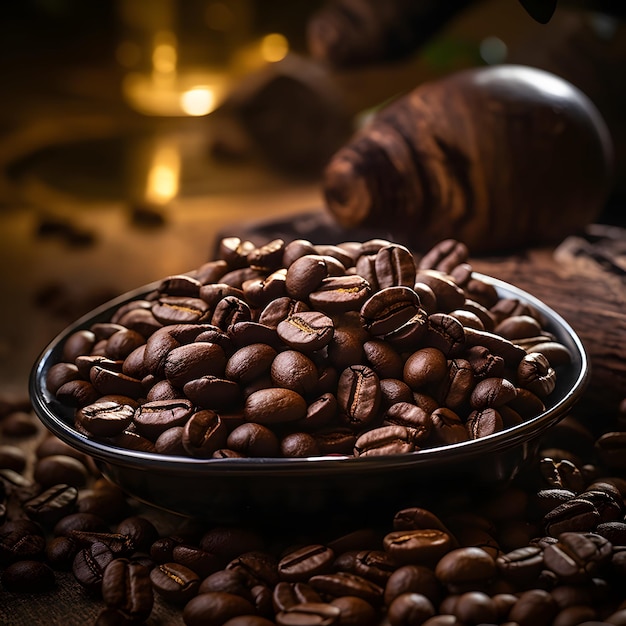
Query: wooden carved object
(500, 157)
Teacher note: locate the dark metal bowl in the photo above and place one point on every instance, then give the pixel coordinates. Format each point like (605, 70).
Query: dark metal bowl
(234, 490)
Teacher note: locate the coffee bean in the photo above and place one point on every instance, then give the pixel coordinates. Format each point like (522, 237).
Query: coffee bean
(576, 556)
(21, 540)
(293, 370)
(388, 309)
(358, 396)
(394, 266)
(175, 583)
(105, 419)
(521, 566)
(51, 505)
(153, 418)
(307, 331)
(58, 469)
(339, 294)
(393, 439)
(345, 584)
(89, 565)
(203, 434)
(420, 546)
(305, 562)
(28, 577)
(464, 568)
(13, 458)
(126, 587)
(275, 405)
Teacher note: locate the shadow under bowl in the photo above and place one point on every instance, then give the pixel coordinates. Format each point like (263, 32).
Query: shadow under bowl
(256, 489)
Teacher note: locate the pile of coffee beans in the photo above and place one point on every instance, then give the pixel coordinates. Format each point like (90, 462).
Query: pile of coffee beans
(548, 548)
(300, 350)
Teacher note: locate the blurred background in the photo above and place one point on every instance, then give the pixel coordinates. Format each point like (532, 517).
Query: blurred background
(133, 132)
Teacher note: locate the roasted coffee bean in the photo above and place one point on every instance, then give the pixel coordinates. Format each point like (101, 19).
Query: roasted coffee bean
(483, 423)
(258, 292)
(13, 458)
(465, 568)
(456, 387)
(309, 614)
(231, 310)
(375, 565)
(89, 565)
(393, 390)
(610, 446)
(121, 343)
(87, 522)
(413, 579)
(180, 310)
(201, 562)
(153, 418)
(51, 505)
(61, 551)
(305, 275)
(296, 371)
(175, 583)
(394, 266)
(284, 595)
(447, 428)
(475, 607)
(339, 294)
(445, 333)
(77, 393)
(392, 439)
(571, 516)
(355, 611)
(521, 566)
(140, 531)
(250, 362)
(577, 556)
(274, 405)
(388, 309)
(307, 331)
(422, 546)
(171, 442)
(305, 562)
(534, 607)
(192, 361)
(535, 373)
(212, 392)
(340, 584)
(255, 440)
(449, 295)
(228, 581)
(268, 256)
(20, 540)
(299, 445)
(383, 359)
(203, 434)
(59, 374)
(105, 418)
(28, 577)
(109, 382)
(492, 393)
(258, 567)
(126, 587)
(58, 469)
(412, 417)
(358, 396)
(425, 367)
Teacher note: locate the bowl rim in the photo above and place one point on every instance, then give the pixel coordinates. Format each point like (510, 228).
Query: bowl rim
(47, 409)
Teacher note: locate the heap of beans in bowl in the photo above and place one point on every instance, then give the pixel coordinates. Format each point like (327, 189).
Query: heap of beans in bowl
(299, 349)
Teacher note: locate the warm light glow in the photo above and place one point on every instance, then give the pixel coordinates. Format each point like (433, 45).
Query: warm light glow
(164, 55)
(198, 100)
(163, 176)
(274, 47)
